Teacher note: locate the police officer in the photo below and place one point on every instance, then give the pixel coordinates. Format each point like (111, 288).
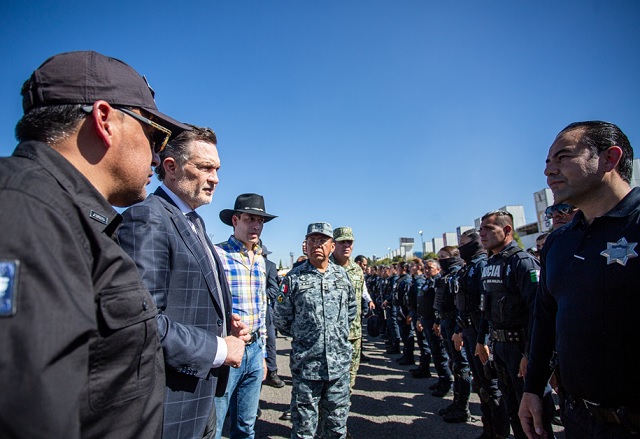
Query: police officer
(510, 280)
(393, 329)
(433, 347)
(401, 304)
(587, 305)
(418, 280)
(446, 289)
(317, 303)
(472, 329)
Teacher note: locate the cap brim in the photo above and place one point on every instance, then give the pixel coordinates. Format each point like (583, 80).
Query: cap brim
(169, 122)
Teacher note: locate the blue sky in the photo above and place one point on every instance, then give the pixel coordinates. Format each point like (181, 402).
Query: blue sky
(387, 116)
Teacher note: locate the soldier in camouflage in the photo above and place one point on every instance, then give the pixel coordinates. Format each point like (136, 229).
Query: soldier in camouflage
(343, 237)
(316, 306)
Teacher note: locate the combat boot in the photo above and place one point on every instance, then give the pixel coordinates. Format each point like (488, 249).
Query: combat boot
(448, 409)
(423, 370)
(442, 390)
(457, 415)
(407, 353)
(394, 348)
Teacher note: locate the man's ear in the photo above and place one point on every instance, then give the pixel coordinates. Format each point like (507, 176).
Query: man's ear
(612, 157)
(104, 117)
(169, 164)
(507, 229)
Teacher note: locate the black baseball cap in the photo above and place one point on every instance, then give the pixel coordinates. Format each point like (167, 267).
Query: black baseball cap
(85, 77)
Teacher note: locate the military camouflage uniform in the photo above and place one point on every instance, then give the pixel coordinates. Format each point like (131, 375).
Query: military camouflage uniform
(317, 310)
(356, 276)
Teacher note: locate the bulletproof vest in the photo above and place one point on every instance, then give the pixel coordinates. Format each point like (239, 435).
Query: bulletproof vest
(446, 289)
(400, 289)
(466, 302)
(506, 308)
(425, 298)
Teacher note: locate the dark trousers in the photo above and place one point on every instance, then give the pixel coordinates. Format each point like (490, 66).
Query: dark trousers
(271, 340)
(506, 358)
(580, 424)
(461, 370)
(495, 421)
(434, 347)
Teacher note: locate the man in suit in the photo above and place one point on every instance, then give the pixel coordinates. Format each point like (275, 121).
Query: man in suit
(183, 273)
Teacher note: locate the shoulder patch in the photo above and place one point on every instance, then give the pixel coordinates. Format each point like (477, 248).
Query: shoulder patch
(9, 270)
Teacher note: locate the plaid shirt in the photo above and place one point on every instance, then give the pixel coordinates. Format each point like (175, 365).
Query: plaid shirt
(248, 283)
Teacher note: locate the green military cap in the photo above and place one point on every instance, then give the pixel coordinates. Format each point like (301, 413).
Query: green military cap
(343, 234)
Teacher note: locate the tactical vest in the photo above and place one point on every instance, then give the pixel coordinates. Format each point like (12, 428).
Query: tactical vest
(400, 289)
(425, 298)
(447, 287)
(466, 302)
(507, 309)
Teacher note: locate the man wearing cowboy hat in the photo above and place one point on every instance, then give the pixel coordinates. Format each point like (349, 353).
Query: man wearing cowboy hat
(245, 268)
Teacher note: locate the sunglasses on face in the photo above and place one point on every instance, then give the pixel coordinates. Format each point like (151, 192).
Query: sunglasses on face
(160, 136)
(560, 209)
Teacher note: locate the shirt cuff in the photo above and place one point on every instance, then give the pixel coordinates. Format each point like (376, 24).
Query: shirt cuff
(221, 354)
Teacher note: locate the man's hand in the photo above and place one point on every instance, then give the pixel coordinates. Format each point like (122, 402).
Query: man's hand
(530, 415)
(482, 351)
(372, 305)
(419, 326)
(264, 366)
(436, 329)
(239, 329)
(522, 371)
(457, 341)
(235, 351)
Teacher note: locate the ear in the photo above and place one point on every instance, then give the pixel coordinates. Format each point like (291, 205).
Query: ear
(169, 164)
(612, 157)
(234, 220)
(104, 117)
(333, 246)
(507, 229)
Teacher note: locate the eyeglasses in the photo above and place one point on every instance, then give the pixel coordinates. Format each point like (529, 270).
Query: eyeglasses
(158, 141)
(161, 136)
(562, 209)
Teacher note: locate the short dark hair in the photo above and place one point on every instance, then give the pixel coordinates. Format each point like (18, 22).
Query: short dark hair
(50, 123)
(598, 136)
(453, 251)
(542, 236)
(471, 233)
(178, 148)
(503, 218)
(360, 258)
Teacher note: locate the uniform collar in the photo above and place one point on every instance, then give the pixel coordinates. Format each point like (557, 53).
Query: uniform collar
(103, 217)
(626, 206)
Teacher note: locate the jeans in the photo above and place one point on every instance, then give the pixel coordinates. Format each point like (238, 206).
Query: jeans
(242, 395)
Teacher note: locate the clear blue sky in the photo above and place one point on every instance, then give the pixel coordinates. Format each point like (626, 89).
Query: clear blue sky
(387, 116)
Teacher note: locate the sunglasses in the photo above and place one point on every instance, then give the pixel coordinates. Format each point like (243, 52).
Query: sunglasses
(161, 134)
(562, 209)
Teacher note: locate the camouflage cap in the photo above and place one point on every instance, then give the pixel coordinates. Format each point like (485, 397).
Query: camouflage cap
(321, 228)
(343, 234)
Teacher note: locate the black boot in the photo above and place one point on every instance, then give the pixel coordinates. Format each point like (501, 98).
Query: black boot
(422, 371)
(394, 348)
(407, 355)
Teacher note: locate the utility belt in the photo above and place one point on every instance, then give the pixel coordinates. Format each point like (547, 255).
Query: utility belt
(255, 335)
(621, 416)
(445, 315)
(508, 335)
(468, 320)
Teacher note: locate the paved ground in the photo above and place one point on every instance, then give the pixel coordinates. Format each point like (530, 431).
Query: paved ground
(387, 402)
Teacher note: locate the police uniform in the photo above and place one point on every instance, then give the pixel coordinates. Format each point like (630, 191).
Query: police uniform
(317, 309)
(495, 422)
(393, 329)
(401, 303)
(433, 347)
(589, 304)
(415, 290)
(510, 280)
(447, 287)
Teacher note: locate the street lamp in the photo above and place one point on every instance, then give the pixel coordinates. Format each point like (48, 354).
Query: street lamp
(422, 242)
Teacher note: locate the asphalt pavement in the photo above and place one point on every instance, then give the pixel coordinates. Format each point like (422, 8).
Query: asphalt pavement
(387, 402)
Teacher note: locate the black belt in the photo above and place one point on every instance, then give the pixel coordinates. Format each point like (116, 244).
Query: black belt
(255, 335)
(508, 335)
(621, 416)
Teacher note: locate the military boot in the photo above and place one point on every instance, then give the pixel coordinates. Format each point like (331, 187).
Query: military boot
(423, 370)
(407, 354)
(394, 348)
(459, 413)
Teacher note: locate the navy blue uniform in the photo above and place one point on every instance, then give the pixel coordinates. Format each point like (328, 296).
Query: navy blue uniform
(589, 303)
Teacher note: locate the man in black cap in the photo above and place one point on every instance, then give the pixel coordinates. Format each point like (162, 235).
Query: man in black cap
(80, 354)
(245, 270)
(166, 237)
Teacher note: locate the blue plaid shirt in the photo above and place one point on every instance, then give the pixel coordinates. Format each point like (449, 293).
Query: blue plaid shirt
(247, 282)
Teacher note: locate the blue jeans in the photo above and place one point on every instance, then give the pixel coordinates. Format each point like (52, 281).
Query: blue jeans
(242, 395)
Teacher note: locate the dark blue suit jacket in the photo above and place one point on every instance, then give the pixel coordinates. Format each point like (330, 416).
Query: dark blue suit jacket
(176, 270)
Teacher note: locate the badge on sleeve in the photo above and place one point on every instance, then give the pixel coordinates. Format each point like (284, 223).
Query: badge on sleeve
(284, 289)
(620, 251)
(8, 287)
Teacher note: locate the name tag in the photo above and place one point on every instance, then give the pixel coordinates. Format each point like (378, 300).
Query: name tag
(8, 287)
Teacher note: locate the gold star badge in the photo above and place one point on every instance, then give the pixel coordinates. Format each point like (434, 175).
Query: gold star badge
(620, 251)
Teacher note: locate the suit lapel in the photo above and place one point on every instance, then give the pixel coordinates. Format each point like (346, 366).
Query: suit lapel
(190, 238)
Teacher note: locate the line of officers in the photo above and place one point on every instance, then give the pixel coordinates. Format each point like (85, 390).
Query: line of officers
(469, 315)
